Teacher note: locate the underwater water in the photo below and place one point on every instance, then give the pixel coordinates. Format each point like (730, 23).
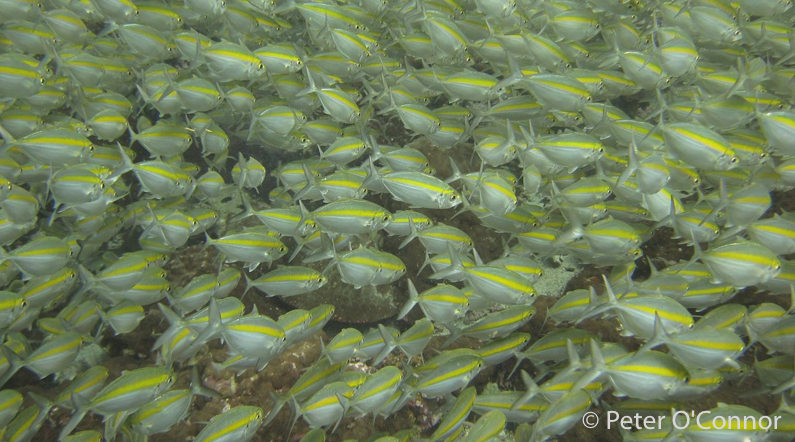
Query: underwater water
(382, 220)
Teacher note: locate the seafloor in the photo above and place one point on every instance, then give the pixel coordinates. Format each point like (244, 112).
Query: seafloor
(421, 415)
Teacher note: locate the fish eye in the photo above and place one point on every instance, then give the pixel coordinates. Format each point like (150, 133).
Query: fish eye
(736, 32)
(733, 160)
(454, 197)
(386, 218)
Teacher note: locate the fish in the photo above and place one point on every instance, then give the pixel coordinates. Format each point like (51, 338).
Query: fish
(420, 190)
(280, 58)
(229, 61)
(494, 325)
(699, 146)
(502, 402)
(20, 80)
(162, 413)
(250, 247)
(312, 380)
(29, 420)
(371, 395)
(55, 146)
(145, 41)
(254, 335)
(489, 425)
(449, 376)
(366, 266)
(351, 216)
(459, 412)
(703, 347)
(40, 256)
(343, 345)
(562, 414)
(123, 318)
(558, 92)
(127, 392)
(411, 342)
(238, 423)
(418, 118)
(442, 303)
(500, 284)
(741, 263)
(639, 313)
(327, 406)
(288, 281)
(661, 373)
(503, 349)
(10, 403)
(440, 238)
(591, 134)
(337, 104)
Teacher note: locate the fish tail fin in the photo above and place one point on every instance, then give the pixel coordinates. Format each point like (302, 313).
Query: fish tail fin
(411, 302)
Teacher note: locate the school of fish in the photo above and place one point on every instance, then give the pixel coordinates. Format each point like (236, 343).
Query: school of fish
(296, 139)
